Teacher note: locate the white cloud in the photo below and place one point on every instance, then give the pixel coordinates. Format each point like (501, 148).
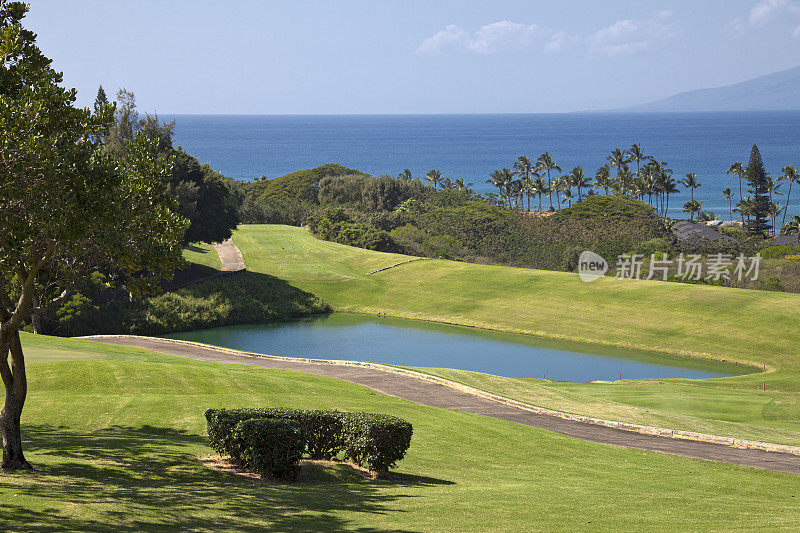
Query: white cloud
(488, 39)
(623, 37)
(796, 31)
(450, 37)
(503, 35)
(763, 13)
(561, 41)
(629, 36)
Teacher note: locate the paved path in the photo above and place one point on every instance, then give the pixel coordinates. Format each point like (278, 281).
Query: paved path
(230, 256)
(438, 395)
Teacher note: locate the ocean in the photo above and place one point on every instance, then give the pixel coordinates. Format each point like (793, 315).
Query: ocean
(246, 147)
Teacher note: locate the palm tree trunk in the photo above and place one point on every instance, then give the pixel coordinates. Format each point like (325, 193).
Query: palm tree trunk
(788, 199)
(741, 215)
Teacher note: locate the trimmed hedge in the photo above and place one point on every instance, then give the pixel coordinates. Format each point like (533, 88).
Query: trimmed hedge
(373, 441)
(269, 446)
(376, 441)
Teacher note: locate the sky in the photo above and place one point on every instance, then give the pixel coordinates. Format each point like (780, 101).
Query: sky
(410, 56)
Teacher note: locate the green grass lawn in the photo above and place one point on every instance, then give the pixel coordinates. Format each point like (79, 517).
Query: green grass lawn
(756, 327)
(115, 439)
(202, 254)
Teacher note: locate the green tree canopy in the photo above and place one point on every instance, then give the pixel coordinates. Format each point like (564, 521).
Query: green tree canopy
(756, 177)
(66, 209)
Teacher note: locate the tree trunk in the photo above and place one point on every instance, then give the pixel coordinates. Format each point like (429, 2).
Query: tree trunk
(36, 320)
(788, 199)
(16, 385)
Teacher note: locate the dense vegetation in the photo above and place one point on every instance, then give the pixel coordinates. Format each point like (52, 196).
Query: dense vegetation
(405, 216)
(374, 441)
(242, 298)
(206, 198)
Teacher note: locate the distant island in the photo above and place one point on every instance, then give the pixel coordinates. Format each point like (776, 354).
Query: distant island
(779, 91)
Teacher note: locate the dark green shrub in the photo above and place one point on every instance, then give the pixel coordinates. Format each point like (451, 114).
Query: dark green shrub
(323, 429)
(772, 283)
(376, 441)
(779, 252)
(373, 441)
(269, 446)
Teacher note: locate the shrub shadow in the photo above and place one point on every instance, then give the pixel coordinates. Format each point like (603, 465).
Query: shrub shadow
(149, 479)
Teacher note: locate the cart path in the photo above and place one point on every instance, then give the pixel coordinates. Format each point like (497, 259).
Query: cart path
(230, 256)
(422, 391)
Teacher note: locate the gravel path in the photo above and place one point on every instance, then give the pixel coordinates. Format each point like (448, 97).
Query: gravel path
(230, 256)
(435, 394)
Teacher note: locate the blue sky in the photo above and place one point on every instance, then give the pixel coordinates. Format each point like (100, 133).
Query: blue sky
(408, 56)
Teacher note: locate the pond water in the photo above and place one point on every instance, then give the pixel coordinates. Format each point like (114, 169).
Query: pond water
(416, 343)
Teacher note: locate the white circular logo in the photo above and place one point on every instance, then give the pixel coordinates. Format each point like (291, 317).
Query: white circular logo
(591, 266)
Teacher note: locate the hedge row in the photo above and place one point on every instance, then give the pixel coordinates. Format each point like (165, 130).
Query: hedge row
(373, 441)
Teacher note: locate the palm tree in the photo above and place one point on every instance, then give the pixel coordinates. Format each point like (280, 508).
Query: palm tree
(623, 184)
(636, 153)
(705, 216)
(568, 194)
(580, 181)
(405, 175)
(737, 170)
(447, 184)
(524, 168)
(728, 195)
(545, 163)
(791, 175)
(602, 178)
(691, 183)
(618, 158)
(559, 184)
(792, 227)
(461, 186)
(649, 176)
(539, 188)
(434, 176)
(496, 179)
(664, 181)
(692, 207)
(773, 187)
(504, 180)
(774, 211)
(670, 187)
(745, 207)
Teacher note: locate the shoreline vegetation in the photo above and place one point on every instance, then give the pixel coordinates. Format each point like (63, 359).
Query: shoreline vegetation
(691, 320)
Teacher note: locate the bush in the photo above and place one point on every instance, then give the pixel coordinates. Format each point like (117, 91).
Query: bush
(376, 441)
(243, 298)
(779, 252)
(373, 441)
(269, 446)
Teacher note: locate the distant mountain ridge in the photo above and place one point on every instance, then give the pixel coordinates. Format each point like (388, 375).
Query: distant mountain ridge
(779, 91)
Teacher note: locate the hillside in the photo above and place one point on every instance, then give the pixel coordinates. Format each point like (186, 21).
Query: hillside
(779, 91)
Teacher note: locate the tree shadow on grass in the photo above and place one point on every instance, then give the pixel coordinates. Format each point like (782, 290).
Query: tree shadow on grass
(193, 248)
(149, 478)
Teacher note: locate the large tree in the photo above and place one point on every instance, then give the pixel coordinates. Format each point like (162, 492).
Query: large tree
(756, 177)
(207, 198)
(66, 209)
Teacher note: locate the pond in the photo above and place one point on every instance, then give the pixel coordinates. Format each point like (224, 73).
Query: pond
(417, 343)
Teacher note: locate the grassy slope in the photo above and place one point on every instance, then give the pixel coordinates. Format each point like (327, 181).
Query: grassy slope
(202, 254)
(115, 441)
(713, 322)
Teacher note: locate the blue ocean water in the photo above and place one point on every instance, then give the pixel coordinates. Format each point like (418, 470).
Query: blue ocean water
(472, 146)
